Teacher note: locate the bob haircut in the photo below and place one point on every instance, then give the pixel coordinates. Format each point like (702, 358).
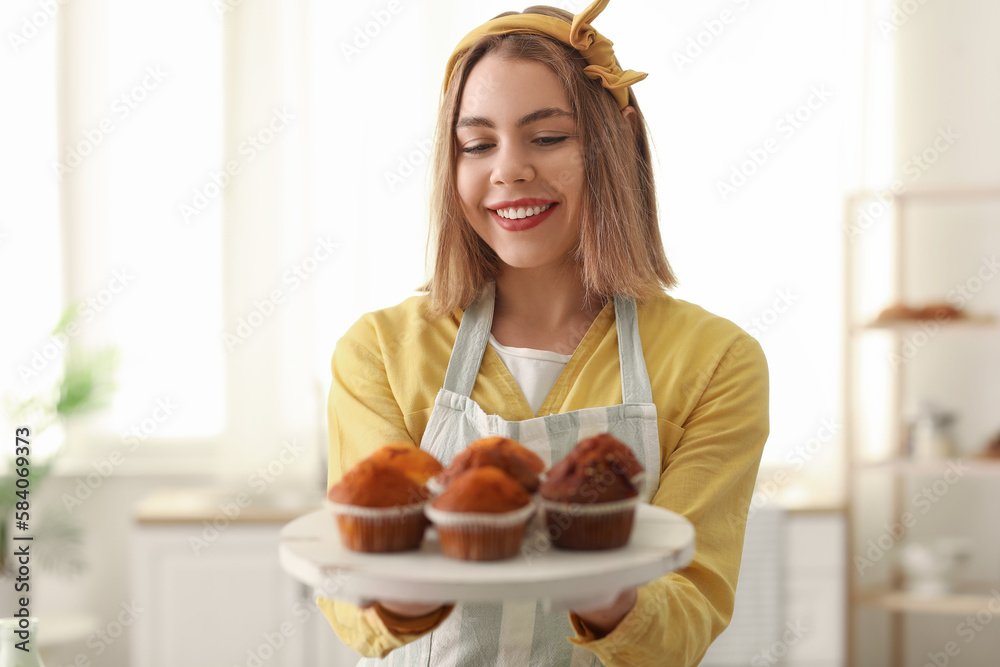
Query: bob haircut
(619, 250)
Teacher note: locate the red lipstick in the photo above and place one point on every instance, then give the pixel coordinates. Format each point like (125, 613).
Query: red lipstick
(521, 224)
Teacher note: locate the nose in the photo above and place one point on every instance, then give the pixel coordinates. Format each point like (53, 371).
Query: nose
(512, 165)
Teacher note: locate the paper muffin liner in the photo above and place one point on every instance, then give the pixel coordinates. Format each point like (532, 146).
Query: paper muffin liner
(480, 536)
(379, 529)
(589, 526)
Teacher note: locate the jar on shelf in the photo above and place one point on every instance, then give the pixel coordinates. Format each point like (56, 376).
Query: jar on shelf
(931, 436)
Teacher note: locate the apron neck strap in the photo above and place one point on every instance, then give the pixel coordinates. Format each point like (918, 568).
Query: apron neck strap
(635, 377)
(470, 344)
(474, 335)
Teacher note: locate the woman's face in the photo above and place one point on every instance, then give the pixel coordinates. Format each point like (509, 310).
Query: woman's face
(520, 163)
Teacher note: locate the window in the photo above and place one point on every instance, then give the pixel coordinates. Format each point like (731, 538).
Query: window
(174, 142)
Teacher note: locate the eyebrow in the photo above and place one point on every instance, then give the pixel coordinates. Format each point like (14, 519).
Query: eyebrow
(534, 116)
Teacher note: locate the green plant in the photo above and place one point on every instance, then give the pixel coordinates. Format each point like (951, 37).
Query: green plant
(85, 385)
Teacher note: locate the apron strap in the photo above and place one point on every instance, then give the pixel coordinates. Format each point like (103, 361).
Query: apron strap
(635, 377)
(470, 344)
(474, 335)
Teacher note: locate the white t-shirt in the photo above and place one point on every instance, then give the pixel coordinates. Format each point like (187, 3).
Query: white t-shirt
(535, 371)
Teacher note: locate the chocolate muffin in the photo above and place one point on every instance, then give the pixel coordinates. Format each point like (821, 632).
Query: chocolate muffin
(611, 450)
(589, 497)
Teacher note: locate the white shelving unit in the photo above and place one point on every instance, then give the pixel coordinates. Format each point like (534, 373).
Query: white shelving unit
(881, 475)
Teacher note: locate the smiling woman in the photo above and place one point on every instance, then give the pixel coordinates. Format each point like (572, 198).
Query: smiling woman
(547, 248)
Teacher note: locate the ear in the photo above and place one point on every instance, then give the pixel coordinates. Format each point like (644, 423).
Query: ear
(631, 117)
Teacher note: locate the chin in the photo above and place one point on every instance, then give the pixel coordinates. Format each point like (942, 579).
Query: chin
(528, 260)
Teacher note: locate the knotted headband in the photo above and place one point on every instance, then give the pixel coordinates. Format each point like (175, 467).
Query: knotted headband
(594, 47)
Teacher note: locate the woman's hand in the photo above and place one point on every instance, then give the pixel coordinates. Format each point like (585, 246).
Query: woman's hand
(605, 619)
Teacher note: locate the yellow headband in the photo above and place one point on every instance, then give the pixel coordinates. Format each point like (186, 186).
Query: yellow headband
(594, 47)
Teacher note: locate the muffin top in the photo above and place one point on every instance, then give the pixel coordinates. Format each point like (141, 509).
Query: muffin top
(506, 448)
(608, 448)
(417, 464)
(485, 489)
(376, 484)
(490, 456)
(599, 469)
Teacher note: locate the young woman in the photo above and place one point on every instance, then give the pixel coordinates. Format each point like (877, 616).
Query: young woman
(546, 321)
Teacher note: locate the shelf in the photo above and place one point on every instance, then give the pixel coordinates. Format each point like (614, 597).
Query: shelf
(985, 322)
(976, 467)
(890, 255)
(900, 601)
(929, 193)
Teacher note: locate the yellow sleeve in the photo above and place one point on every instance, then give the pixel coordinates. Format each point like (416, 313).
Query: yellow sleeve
(709, 479)
(362, 412)
(363, 415)
(372, 635)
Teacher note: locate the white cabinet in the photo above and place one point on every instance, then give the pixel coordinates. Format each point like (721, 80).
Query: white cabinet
(814, 590)
(790, 597)
(216, 596)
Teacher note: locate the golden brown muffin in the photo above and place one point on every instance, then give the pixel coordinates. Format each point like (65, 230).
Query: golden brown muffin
(506, 460)
(418, 465)
(482, 515)
(378, 508)
(486, 489)
(374, 484)
(507, 448)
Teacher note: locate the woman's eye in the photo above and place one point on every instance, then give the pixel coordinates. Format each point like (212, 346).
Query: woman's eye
(550, 141)
(478, 148)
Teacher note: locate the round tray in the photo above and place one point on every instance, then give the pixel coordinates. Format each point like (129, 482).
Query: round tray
(311, 552)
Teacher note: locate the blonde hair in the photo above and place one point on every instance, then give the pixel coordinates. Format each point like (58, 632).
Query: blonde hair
(619, 250)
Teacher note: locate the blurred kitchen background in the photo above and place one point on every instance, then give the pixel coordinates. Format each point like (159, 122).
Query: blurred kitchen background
(197, 198)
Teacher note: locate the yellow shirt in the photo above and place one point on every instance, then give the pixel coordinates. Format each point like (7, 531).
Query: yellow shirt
(710, 387)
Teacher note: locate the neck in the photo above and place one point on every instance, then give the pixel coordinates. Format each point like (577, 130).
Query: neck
(544, 308)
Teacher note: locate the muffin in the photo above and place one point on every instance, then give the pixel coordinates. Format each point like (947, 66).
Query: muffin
(417, 464)
(482, 515)
(607, 448)
(474, 457)
(511, 449)
(378, 508)
(516, 460)
(589, 497)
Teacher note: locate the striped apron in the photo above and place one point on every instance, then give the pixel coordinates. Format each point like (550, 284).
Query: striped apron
(523, 634)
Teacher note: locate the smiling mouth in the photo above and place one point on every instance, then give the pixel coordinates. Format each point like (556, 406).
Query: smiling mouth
(516, 213)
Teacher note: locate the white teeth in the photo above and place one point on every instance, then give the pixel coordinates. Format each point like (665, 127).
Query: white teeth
(521, 212)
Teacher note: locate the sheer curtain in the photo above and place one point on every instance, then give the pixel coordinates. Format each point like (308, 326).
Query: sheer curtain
(158, 188)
